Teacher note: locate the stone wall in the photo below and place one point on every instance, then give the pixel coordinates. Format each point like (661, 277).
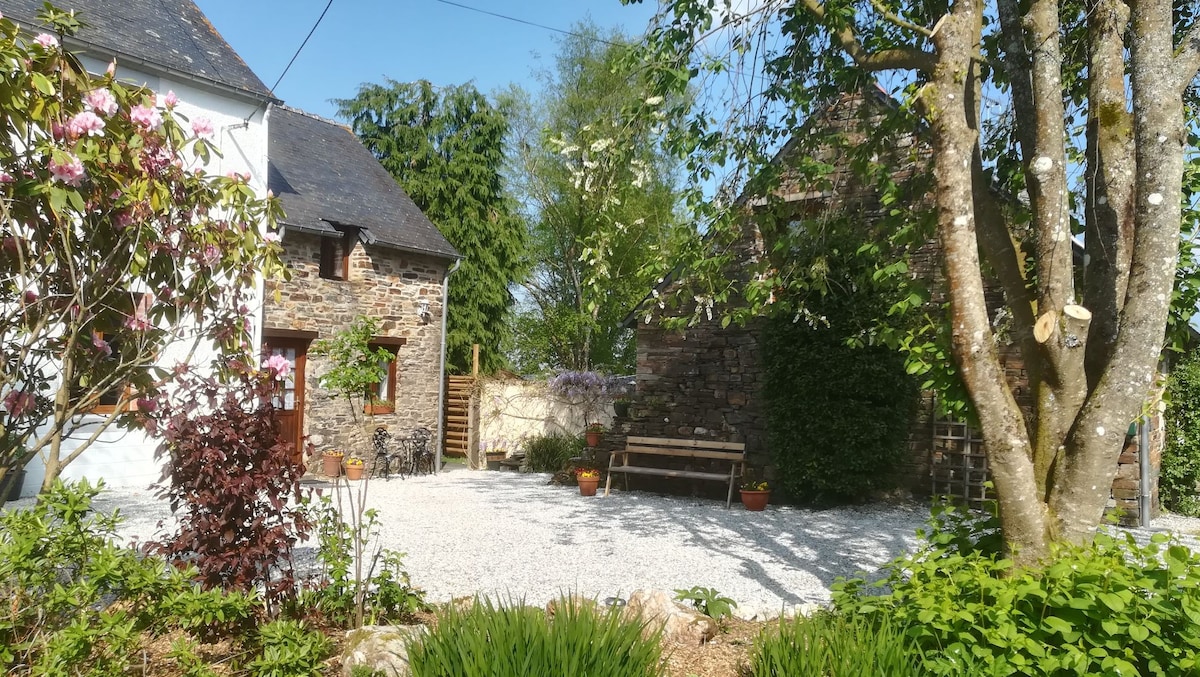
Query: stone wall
(384, 283)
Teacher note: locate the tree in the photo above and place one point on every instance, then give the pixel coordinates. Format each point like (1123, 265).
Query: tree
(1044, 119)
(118, 255)
(588, 218)
(445, 147)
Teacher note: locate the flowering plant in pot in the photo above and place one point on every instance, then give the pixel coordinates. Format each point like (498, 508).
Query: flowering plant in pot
(331, 463)
(588, 480)
(755, 494)
(593, 433)
(354, 468)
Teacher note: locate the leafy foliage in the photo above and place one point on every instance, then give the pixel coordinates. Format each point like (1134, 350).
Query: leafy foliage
(355, 367)
(445, 146)
(288, 649)
(831, 644)
(708, 601)
(834, 444)
(1180, 472)
(116, 246)
(348, 591)
(1111, 607)
(579, 639)
(594, 226)
(550, 453)
(229, 477)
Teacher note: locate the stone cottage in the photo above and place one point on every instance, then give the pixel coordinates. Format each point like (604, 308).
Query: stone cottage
(708, 382)
(355, 245)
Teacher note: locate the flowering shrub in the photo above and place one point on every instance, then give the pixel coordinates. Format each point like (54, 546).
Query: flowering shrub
(578, 385)
(115, 245)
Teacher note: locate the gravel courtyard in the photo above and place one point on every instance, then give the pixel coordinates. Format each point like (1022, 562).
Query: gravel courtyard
(513, 535)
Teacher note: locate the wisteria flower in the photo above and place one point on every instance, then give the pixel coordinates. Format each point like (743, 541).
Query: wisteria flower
(203, 128)
(170, 100)
(18, 402)
(102, 101)
(87, 123)
(47, 41)
(279, 366)
(69, 172)
(146, 116)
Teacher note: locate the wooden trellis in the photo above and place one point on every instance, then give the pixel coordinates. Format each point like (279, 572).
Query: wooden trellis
(459, 391)
(958, 464)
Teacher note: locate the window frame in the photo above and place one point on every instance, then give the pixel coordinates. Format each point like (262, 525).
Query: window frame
(373, 405)
(334, 263)
(126, 396)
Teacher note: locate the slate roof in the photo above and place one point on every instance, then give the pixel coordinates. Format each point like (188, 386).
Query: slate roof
(173, 35)
(324, 175)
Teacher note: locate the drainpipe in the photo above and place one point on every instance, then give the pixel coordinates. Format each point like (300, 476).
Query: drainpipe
(1144, 472)
(441, 428)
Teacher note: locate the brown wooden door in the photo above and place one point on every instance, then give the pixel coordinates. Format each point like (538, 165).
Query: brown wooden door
(289, 403)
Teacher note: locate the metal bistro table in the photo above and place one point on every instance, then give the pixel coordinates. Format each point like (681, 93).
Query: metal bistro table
(408, 455)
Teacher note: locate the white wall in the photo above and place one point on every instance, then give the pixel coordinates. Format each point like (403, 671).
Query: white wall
(513, 411)
(126, 458)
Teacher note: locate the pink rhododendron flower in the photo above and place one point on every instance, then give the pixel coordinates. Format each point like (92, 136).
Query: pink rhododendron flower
(30, 296)
(170, 100)
(5, 177)
(112, 68)
(203, 128)
(101, 345)
(145, 116)
(211, 255)
(69, 172)
(102, 101)
(46, 40)
(272, 236)
(87, 123)
(279, 366)
(137, 321)
(17, 402)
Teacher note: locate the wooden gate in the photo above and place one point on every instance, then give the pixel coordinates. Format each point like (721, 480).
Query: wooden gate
(458, 423)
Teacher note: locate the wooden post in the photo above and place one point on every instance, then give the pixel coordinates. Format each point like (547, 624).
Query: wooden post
(475, 360)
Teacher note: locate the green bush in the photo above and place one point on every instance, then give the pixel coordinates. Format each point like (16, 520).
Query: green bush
(838, 417)
(551, 452)
(1181, 455)
(833, 645)
(1111, 608)
(514, 640)
(288, 649)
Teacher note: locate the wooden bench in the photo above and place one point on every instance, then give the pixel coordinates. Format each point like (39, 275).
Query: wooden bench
(645, 447)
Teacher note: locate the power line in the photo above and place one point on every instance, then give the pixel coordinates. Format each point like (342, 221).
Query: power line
(302, 44)
(528, 23)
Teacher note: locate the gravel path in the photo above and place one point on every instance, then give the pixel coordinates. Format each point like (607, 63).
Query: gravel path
(512, 535)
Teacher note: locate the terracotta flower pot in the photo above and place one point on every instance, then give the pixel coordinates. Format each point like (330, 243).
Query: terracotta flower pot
(354, 472)
(587, 485)
(331, 465)
(755, 500)
(593, 438)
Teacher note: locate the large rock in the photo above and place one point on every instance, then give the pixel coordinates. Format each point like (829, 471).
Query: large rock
(679, 624)
(382, 648)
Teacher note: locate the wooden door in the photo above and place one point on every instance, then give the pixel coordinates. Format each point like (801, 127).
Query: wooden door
(289, 403)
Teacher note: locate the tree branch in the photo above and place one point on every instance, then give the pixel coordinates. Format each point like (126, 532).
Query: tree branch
(888, 59)
(1187, 58)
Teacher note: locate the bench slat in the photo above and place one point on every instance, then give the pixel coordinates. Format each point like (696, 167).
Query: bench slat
(662, 472)
(690, 453)
(685, 444)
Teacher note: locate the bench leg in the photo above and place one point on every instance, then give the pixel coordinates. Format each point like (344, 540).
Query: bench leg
(729, 498)
(607, 483)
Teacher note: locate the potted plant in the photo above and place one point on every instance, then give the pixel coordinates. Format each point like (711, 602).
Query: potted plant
(593, 433)
(588, 480)
(755, 495)
(354, 468)
(331, 463)
(621, 406)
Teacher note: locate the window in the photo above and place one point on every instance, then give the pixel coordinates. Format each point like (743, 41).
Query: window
(117, 399)
(335, 254)
(381, 399)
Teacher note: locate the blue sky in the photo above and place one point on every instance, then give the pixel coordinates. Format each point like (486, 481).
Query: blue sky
(368, 40)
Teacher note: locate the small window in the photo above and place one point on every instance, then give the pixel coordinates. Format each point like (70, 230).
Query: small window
(335, 254)
(117, 399)
(381, 399)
